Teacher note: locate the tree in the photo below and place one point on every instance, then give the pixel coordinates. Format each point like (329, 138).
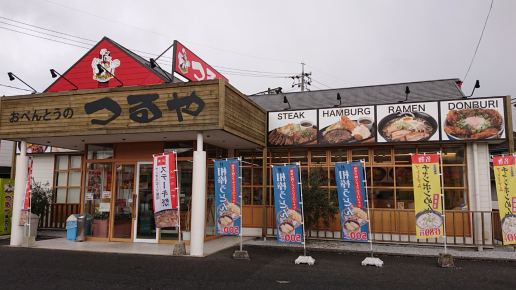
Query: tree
(41, 197)
(317, 204)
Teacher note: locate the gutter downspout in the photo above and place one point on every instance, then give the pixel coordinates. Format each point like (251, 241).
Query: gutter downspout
(478, 224)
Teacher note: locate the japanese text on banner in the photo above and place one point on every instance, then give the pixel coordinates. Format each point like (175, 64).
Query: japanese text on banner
(427, 196)
(504, 167)
(227, 197)
(288, 209)
(164, 188)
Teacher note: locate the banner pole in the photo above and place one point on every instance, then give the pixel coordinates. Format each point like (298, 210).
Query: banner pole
(178, 193)
(302, 205)
(30, 195)
(241, 201)
(442, 200)
(368, 214)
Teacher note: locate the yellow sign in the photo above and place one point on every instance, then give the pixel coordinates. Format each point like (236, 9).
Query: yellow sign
(506, 191)
(427, 196)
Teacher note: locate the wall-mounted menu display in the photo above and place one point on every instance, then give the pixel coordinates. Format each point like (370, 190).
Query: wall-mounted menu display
(473, 119)
(456, 120)
(348, 125)
(288, 128)
(408, 122)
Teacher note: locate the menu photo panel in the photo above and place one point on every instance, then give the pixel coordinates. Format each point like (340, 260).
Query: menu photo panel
(408, 122)
(292, 128)
(349, 125)
(473, 119)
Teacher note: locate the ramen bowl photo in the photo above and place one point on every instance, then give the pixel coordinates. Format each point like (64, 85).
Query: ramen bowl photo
(428, 219)
(407, 127)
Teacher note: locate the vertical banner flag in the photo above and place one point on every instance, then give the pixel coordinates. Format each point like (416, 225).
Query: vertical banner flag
(164, 190)
(227, 197)
(427, 196)
(286, 199)
(506, 191)
(24, 217)
(351, 190)
(6, 205)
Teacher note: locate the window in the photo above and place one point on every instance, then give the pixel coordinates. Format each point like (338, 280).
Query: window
(67, 179)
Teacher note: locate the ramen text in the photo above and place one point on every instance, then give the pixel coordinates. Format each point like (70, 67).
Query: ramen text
(407, 108)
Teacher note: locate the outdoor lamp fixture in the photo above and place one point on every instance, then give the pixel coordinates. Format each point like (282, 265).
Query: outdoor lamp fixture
(101, 69)
(477, 85)
(287, 102)
(340, 102)
(154, 64)
(54, 75)
(13, 76)
(407, 91)
(278, 90)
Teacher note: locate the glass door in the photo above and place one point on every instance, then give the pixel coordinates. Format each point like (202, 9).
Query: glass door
(122, 203)
(144, 225)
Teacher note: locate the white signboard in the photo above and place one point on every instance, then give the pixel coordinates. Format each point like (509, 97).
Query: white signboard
(473, 119)
(106, 194)
(350, 125)
(104, 207)
(408, 122)
(290, 128)
(89, 196)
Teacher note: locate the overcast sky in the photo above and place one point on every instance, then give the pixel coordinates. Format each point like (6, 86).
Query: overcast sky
(343, 43)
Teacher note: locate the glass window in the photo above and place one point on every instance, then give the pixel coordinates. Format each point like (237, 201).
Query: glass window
(404, 199)
(61, 195)
(339, 155)
(453, 154)
(75, 161)
(257, 158)
(98, 179)
(183, 148)
(100, 151)
(74, 195)
(358, 154)
(403, 177)
(454, 176)
(212, 152)
(246, 195)
(61, 162)
(279, 156)
(257, 176)
(257, 196)
(318, 156)
(247, 157)
(61, 178)
(430, 148)
(74, 178)
(382, 155)
(402, 154)
(246, 176)
(299, 155)
(455, 198)
(383, 198)
(223, 153)
(382, 176)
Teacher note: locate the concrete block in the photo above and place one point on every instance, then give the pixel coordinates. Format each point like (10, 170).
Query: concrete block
(241, 255)
(179, 249)
(445, 260)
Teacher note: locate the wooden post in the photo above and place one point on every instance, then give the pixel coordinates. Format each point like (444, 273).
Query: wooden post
(510, 134)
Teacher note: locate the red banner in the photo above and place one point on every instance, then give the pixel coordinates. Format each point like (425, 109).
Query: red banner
(172, 178)
(358, 190)
(232, 167)
(292, 177)
(26, 200)
(192, 67)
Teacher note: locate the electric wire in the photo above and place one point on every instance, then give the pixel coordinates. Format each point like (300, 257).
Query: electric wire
(44, 38)
(45, 33)
(478, 44)
(330, 75)
(16, 88)
(321, 84)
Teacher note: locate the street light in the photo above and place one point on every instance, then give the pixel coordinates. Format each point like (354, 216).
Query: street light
(54, 75)
(13, 76)
(101, 69)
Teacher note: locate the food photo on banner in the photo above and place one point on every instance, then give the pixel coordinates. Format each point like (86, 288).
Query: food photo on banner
(408, 122)
(352, 201)
(427, 196)
(505, 180)
(350, 125)
(164, 189)
(289, 215)
(292, 128)
(473, 119)
(227, 197)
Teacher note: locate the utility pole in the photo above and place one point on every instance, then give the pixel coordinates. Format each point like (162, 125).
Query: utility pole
(304, 83)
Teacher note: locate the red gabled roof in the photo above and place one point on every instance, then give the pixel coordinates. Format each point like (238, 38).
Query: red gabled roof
(133, 70)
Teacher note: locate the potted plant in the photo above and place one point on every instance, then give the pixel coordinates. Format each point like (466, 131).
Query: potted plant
(40, 200)
(186, 232)
(100, 225)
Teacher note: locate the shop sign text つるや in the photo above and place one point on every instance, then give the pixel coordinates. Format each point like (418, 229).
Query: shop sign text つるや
(144, 107)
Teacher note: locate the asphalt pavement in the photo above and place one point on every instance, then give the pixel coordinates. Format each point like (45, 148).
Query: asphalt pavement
(268, 268)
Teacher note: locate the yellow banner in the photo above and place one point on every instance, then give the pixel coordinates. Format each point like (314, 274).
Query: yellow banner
(506, 191)
(427, 196)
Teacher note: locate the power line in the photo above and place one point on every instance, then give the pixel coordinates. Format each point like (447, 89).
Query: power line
(46, 29)
(170, 36)
(482, 34)
(16, 88)
(44, 37)
(44, 33)
(330, 75)
(322, 84)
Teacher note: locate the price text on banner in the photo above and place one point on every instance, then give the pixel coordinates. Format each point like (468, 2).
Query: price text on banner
(351, 190)
(288, 210)
(427, 196)
(164, 190)
(227, 197)
(506, 191)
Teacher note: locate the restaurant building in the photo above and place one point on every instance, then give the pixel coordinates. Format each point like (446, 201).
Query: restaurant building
(118, 118)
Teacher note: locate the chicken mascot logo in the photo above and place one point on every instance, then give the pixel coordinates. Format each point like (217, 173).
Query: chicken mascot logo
(104, 67)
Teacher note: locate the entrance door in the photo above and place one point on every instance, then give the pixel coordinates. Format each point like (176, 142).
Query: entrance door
(123, 203)
(144, 226)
